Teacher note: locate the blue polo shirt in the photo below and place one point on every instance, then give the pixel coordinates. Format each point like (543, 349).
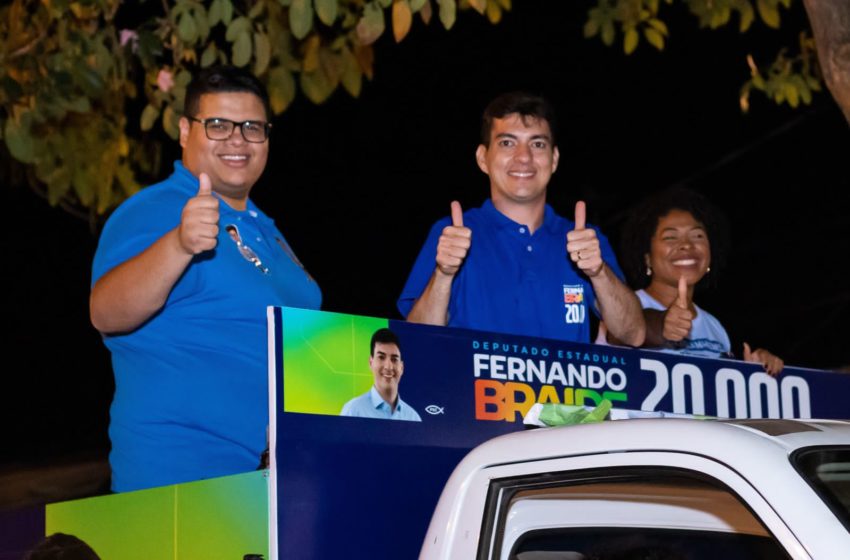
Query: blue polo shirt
(371, 405)
(511, 281)
(191, 384)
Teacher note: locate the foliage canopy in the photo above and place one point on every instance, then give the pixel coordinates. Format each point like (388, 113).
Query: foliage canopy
(80, 89)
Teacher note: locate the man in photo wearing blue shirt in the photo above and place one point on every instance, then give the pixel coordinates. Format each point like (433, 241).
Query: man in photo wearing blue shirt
(513, 265)
(382, 400)
(182, 306)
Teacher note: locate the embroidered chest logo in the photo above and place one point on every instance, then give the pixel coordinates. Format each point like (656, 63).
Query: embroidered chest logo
(574, 304)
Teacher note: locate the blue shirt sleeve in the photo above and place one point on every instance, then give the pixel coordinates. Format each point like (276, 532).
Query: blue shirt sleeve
(134, 227)
(422, 270)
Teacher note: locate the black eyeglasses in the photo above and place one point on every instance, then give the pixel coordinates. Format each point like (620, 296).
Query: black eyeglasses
(222, 129)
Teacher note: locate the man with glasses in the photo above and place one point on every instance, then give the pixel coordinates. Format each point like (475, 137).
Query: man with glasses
(182, 310)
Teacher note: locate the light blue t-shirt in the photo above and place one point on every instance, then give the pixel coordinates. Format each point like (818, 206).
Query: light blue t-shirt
(707, 338)
(191, 383)
(371, 405)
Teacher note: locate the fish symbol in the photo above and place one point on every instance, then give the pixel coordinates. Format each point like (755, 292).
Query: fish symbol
(434, 409)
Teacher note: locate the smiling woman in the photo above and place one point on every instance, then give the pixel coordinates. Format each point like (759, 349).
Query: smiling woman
(675, 241)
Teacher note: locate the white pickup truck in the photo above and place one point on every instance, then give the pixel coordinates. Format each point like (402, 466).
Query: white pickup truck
(651, 489)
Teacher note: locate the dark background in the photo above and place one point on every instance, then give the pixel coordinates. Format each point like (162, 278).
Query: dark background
(355, 184)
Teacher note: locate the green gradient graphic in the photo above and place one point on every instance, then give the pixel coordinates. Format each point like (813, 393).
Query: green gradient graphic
(326, 359)
(217, 518)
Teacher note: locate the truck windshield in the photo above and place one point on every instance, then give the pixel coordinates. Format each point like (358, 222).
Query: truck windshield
(827, 470)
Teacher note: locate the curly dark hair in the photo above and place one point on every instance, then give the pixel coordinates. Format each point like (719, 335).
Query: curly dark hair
(643, 221)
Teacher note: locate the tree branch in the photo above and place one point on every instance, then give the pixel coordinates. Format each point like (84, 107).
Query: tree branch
(830, 20)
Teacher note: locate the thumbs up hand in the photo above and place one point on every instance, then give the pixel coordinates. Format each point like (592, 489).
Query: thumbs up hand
(583, 245)
(454, 243)
(678, 318)
(772, 364)
(198, 229)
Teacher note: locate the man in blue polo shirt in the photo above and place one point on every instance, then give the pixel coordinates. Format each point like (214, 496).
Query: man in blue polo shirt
(513, 265)
(181, 279)
(382, 400)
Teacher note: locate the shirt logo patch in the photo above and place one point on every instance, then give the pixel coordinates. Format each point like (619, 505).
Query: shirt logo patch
(574, 304)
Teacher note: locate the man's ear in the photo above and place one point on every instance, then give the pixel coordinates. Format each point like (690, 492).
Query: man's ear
(185, 125)
(481, 158)
(556, 157)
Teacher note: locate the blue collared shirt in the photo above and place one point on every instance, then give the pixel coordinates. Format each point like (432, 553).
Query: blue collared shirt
(371, 405)
(513, 281)
(191, 383)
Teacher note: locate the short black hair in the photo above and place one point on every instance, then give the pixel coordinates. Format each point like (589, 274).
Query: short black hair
(643, 221)
(384, 336)
(60, 546)
(526, 105)
(223, 79)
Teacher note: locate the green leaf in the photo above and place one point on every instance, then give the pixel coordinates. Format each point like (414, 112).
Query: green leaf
(608, 33)
(281, 88)
(182, 78)
(327, 10)
(813, 83)
(659, 26)
(654, 38)
(371, 25)
(226, 11)
(630, 41)
(316, 86)
(19, 142)
(748, 15)
(721, 17)
(385, 3)
(257, 10)
(89, 80)
(791, 94)
(203, 23)
(803, 89)
(352, 75)
(237, 27)
(769, 13)
(591, 28)
(758, 81)
(416, 5)
(187, 29)
(208, 58)
(149, 116)
(149, 48)
(214, 13)
(301, 18)
(262, 53)
(171, 122)
(448, 12)
(310, 62)
(242, 50)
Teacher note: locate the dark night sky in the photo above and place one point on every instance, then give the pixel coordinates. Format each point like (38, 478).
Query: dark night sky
(355, 185)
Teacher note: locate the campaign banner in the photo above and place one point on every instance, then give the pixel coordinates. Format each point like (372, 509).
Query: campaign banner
(363, 487)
